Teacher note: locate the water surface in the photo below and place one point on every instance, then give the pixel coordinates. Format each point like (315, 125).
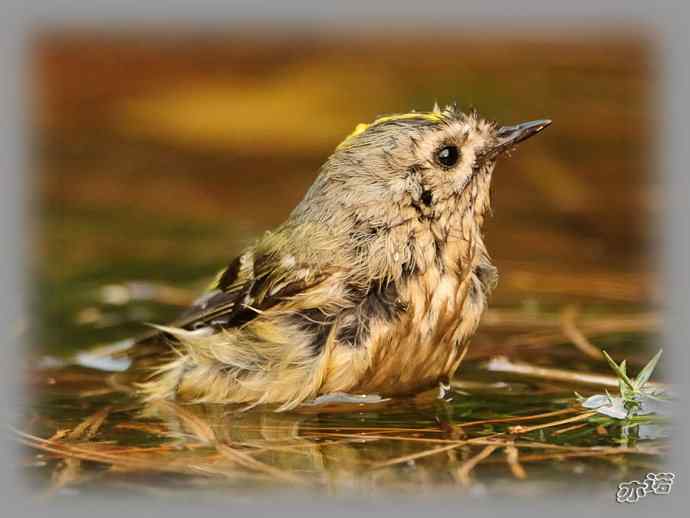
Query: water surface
(156, 165)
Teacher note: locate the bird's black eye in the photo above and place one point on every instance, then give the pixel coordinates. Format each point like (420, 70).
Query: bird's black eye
(448, 156)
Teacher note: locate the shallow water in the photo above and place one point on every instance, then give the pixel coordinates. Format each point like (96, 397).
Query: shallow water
(136, 215)
(106, 440)
(421, 442)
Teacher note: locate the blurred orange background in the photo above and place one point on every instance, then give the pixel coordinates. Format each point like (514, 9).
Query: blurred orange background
(159, 155)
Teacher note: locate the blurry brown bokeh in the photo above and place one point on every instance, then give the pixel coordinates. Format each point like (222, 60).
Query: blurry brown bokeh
(173, 149)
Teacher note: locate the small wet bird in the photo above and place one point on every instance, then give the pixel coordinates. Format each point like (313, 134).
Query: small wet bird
(373, 285)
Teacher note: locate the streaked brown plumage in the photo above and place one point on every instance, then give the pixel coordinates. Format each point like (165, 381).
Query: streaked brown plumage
(374, 284)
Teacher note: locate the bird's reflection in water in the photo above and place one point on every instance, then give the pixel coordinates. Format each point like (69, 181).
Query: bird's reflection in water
(329, 445)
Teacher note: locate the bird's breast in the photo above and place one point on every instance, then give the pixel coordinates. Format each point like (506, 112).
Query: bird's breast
(423, 343)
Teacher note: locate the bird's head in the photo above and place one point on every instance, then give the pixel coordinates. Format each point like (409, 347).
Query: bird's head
(394, 183)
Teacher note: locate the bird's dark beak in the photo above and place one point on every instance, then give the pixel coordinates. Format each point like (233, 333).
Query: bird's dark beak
(508, 137)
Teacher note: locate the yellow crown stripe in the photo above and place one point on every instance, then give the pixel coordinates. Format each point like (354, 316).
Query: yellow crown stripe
(362, 126)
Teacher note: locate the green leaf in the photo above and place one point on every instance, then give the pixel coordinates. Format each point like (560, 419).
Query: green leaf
(646, 372)
(620, 372)
(626, 392)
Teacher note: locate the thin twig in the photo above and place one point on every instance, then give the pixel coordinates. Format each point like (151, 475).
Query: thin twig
(569, 428)
(575, 454)
(513, 459)
(519, 418)
(463, 472)
(418, 455)
(526, 429)
(570, 330)
(88, 428)
(503, 364)
(69, 470)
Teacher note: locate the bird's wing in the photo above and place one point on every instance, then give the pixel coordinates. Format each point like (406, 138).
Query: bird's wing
(252, 283)
(247, 287)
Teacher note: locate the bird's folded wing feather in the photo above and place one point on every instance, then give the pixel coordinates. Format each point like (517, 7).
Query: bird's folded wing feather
(244, 289)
